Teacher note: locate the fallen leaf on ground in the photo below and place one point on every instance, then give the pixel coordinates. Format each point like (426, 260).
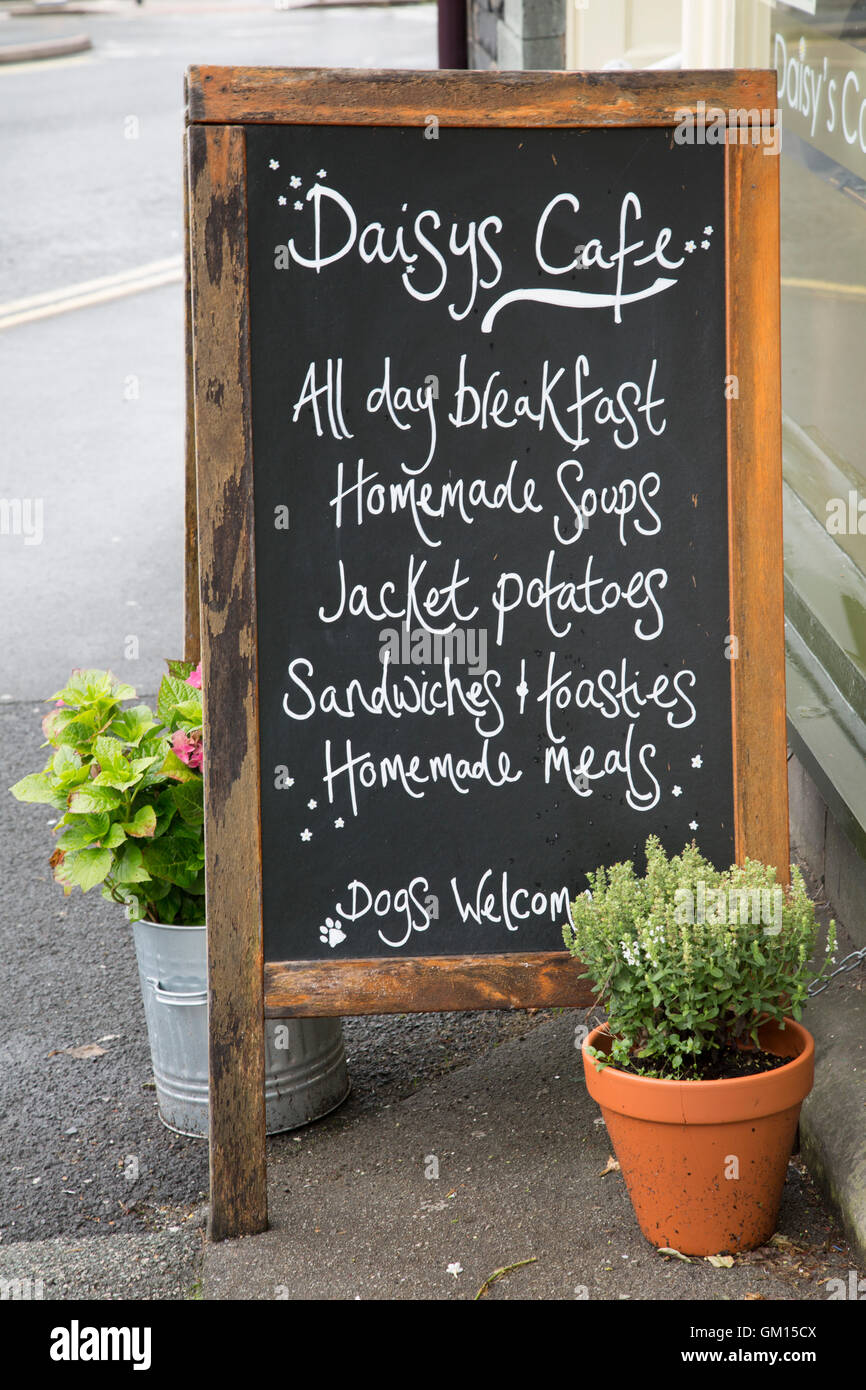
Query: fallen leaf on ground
(720, 1261)
(612, 1167)
(755, 1298)
(86, 1050)
(783, 1243)
(668, 1250)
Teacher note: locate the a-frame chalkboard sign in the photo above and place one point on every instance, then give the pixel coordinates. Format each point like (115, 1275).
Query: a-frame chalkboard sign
(484, 414)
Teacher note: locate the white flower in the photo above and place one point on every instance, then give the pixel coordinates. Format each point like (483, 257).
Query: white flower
(693, 825)
(697, 760)
(708, 231)
(455, 1268)
(299, 207)
(705, 246)
(321, 173)
(275, 164)
(676, 791)
(295, 181)
(281, 200)
(338, 823)
(690, 246)
(312, 804)
(306, 834)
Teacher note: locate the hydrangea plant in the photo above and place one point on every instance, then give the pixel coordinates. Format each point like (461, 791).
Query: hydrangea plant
(128, 786)
(690, 960)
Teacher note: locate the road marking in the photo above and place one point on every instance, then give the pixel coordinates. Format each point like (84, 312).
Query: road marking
(100, 291)
(71, 60)
(789, 282)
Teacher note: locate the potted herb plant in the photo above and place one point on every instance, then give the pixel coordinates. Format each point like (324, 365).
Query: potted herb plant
(127, 786)
(703, 1064)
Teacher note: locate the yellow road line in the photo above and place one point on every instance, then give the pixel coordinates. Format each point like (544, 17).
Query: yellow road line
(790, 282)
(89, 292)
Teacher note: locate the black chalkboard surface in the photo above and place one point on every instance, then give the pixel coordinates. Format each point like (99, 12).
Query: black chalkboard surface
(491, 529)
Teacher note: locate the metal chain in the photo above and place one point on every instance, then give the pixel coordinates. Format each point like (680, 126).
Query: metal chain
(855, 958)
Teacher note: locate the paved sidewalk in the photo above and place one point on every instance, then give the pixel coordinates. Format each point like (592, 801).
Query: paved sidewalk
(503, 1163)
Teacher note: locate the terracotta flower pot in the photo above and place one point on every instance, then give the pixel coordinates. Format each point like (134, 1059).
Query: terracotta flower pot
(705, 1161)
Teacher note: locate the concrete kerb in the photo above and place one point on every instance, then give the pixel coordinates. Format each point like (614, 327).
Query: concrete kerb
(51, 48)
(833, 1118)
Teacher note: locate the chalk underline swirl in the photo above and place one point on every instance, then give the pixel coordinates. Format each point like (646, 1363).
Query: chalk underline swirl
(572, 299)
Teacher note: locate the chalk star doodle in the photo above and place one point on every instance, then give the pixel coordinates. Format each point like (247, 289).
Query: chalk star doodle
(331, 934)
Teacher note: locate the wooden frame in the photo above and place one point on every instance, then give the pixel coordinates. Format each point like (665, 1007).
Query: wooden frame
(221, 101)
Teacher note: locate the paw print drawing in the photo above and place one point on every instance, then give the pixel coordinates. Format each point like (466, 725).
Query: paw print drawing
(331, 934)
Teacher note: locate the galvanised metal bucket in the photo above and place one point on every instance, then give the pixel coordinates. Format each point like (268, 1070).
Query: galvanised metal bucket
(305, 1060)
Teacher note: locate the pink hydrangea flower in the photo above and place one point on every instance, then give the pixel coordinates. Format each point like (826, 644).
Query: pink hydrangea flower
(194, 677)
(188, 748)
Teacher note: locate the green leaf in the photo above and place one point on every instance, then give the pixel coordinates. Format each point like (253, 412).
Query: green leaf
(129, 866)
(141, 765)
(176, 768)
(115, 837)
(39, 787)
(94, 687)
(181, 669)
(143, 822)
(77, 732)
(188, 797)
(108, 751)
(86, 868)
(188, 713)
(114, 769)
(82, 831)
(172, 693)
(94, 799)
(131, 725)
(67, 764)
(54, 723)
(176, 858)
